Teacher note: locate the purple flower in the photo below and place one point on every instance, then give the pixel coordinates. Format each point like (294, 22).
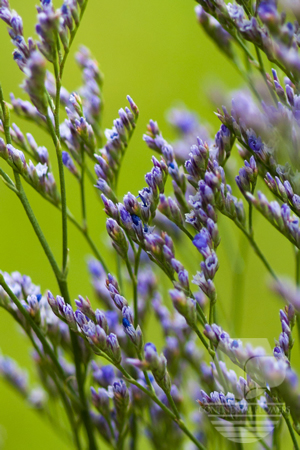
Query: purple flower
(202, 242)
(255, 143)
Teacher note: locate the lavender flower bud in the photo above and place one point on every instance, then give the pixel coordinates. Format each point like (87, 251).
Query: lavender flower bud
(118, 236)
(185, 306)
(100, 400)
(125, 217)
(101, 320)
(69, 164)
(121, 401)
(52, 302)
(103, 375)
(206, 285)
(69, 316)
(202, 242)
(133, 107)
(158, 366)
(85, 306)
(113, 348)
(109, 207)
(3, 150)
(131, 204)
(80, 318)
(183, 278)
(210, 266)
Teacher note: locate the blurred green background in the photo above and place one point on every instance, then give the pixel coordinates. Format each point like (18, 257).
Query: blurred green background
(156, 52)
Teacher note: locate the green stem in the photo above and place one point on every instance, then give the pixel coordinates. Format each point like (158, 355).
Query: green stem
(119, 272)
(63, 284)
(57, 145)
(189, 235)
(30, 214)
(238, 284)
(276, 436)
(82, 192)
(297, 277)
(93, 247)
(290, 428)
(154, 397)
(244, 47)
(59, 276)
(201, 314)
(134, 432)
(211, 311)
(263, 73)
(172, 404)
(257, 250)
(133, 278)
(61, 391)
(203, 340)
(145, 373)
(72, 37)
(250, 218)
(69, 412)
(79, 376)
(47, 347)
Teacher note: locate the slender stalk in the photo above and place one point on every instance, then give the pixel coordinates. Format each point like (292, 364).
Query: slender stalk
(154, 397)
(82, 192)
(238, 284)
(257, 250)
(10, 184)
(7, 180)
(290, 428)
(119, 272)
(79, 376)
(137, 261)
(133, 278)
(189, 235)
(297, 272)
(250, 219)
(94, 248)
(22, 196)
(211, 311)
(172, 404)
(239, 445)
(72, 37)
(60, 276)
(260, 440)
(139, 354)
(203, 340)
(65, 400)
(297, 279)
(134, 432)
(30, 214)
(200, 312)
(47, 347)
(55, 133)
(57, 145)
(263, 73)
(69, 412)
(276, 436)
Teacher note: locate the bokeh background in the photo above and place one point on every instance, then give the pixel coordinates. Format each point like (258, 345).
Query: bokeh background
(156, 52)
